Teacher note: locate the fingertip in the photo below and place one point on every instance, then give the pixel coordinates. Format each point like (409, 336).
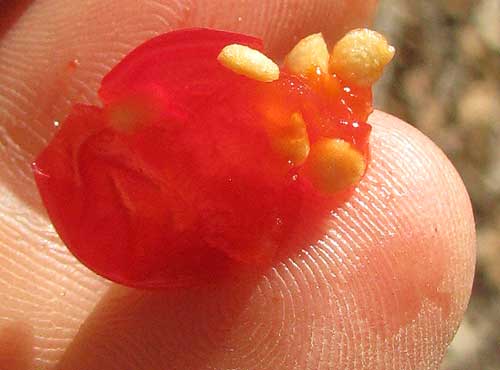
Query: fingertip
(435, 206)
(394, 272)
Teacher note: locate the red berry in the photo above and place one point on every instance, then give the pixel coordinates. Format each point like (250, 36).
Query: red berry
(191, 172)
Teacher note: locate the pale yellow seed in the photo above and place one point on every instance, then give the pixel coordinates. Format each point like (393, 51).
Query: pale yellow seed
(249, 62)
(291, 140)
(360, 57)
(334, 165)
(309, 54)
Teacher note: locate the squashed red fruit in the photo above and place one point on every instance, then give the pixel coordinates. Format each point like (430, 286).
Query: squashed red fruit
(175, 181)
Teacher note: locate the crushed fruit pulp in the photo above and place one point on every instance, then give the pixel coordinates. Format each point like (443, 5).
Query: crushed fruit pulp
(190, 172)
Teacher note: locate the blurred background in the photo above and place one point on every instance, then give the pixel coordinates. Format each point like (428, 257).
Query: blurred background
(445, 80)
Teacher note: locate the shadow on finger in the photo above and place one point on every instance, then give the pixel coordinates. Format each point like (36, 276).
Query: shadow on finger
(175, 329)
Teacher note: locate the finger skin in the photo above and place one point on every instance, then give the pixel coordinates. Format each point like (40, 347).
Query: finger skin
(385, 287)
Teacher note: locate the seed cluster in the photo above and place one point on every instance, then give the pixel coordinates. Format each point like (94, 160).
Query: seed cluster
(331, 164)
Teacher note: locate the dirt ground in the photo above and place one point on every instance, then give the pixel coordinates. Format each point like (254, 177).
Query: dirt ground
(446, 81)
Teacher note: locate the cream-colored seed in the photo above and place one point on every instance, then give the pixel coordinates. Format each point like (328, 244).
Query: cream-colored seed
(249, 62)
(291, 140)
(360, 57)
(310, 53)
(334, 165)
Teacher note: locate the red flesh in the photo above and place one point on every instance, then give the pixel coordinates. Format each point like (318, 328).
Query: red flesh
(191, 189)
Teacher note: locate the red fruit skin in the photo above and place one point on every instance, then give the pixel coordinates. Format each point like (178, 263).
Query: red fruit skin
(181, 61)
(173, 182)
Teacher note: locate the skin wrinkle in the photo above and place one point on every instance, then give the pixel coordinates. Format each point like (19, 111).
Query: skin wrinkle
(116, 328)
